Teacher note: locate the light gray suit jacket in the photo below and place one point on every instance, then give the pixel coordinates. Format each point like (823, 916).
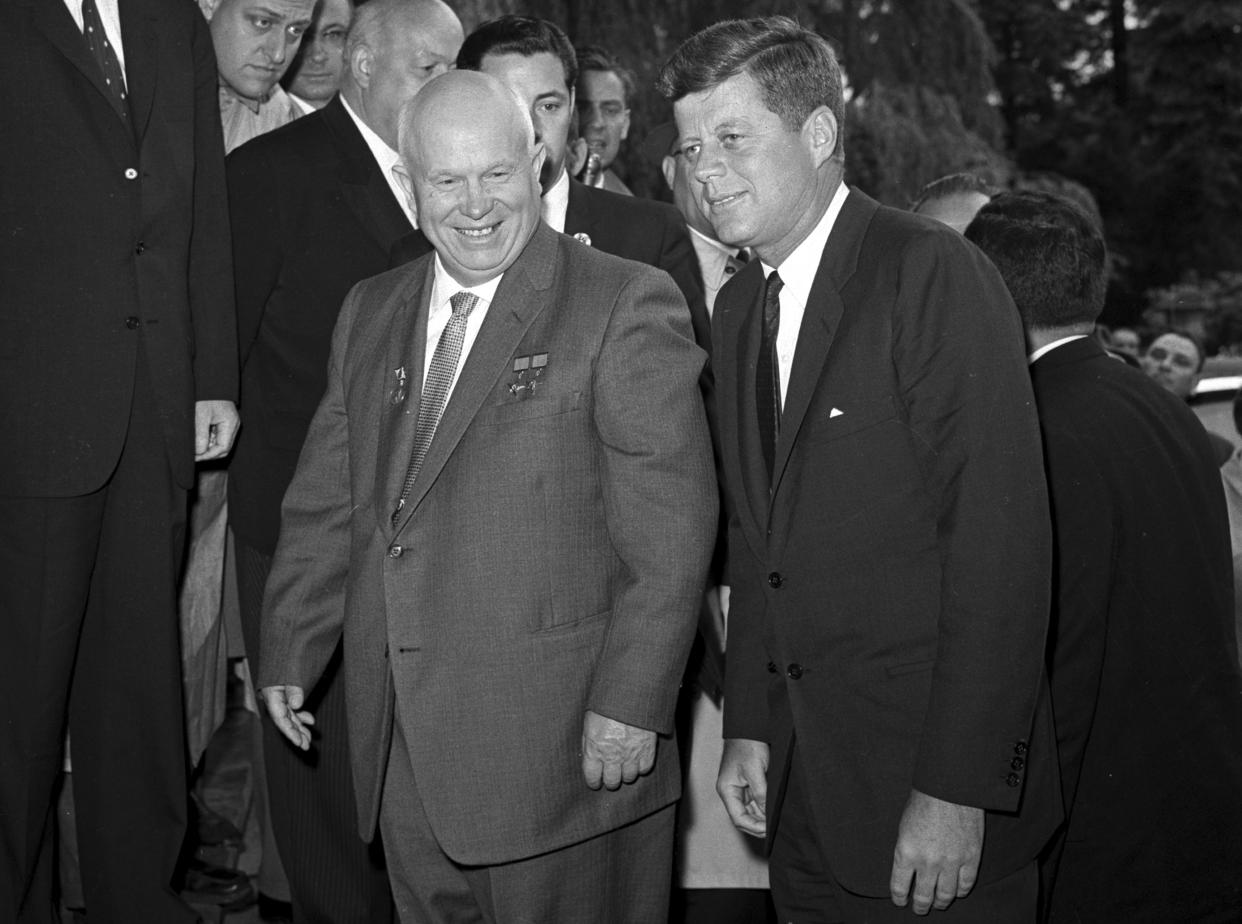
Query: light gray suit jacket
(549, 559)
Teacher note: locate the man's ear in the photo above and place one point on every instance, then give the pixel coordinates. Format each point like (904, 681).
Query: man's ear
(821, 131)
(625, 125)
(362, 65)
(537, 159)
(406, 182)
(668, 166)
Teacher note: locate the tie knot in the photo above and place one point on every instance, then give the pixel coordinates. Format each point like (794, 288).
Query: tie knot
(742, 255)
(775, 283)
(463, 303)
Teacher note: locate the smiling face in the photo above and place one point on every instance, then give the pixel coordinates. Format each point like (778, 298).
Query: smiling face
(255, 40)
(539, 82)
(475, 178)
(315, 75)
(603, 115)
(760, 183)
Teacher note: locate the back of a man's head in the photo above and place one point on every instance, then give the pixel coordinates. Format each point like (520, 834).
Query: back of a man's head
(953, 200)
(518, 35)
(1051, 256)
(796, 69)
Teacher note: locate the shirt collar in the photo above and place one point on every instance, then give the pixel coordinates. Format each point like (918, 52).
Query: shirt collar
(556, 203)
(445, 286)
(799, 268)
(1049, 347)
(723, 248)
(229, 97)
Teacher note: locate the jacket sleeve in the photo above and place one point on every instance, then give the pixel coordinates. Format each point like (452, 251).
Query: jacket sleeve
(660, 500)
(959, 353)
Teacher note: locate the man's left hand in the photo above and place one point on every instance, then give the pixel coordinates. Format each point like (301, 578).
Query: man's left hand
(215, 427)
(938, 848)
(613, 752)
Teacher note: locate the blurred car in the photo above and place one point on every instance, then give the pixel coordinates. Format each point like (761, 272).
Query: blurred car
(1213, 396)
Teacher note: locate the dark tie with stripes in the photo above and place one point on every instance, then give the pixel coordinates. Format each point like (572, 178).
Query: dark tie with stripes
(105, 56)
(767, 372)
(436, 388)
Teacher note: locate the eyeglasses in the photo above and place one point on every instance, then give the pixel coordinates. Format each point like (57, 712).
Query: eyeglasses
(1181, 360)
(609, 110)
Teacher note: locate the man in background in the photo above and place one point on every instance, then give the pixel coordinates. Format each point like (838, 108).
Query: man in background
(1146, 695)
(117, 371)
(603, 94)
(1174, 361)
(315, 75)
(315, 209)
(534, 58)
(255, 40)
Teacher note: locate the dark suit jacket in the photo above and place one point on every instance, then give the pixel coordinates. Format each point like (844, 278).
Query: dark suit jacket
(312, 216)
(625, 226)
(890, 595)
(115, 241)
(1145, 685)
(549, 560)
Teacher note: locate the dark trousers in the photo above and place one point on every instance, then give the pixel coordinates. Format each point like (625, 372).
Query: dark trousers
(620, 877)
(334, 876)
(89, 641)
(806, 892)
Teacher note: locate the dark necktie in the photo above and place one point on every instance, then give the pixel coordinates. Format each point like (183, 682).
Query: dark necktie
(436, 388)
(105, 56)
(767, 372)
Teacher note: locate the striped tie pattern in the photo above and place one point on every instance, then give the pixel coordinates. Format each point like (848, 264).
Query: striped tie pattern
(436, 389)
(767, 372)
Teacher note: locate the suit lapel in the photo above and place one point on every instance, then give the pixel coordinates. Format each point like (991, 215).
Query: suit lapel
(140, 36)
(402, 372)
(54, 20)
(820, 322)
(363, 187)
(521, 296)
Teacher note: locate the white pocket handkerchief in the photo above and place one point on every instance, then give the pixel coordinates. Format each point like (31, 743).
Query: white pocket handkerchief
(835, 412)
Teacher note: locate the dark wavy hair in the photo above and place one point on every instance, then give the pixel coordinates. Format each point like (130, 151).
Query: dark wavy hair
(518, 35)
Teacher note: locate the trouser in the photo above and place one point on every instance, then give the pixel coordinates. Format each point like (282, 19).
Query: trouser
(89, 642)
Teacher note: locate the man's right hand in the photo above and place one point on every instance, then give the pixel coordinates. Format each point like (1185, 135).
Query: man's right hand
(743, 784)
(283, 703)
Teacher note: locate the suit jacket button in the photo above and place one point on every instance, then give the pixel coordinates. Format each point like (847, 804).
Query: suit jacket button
(1017, 763)
(775, 579)
(132, 322)
(1013, 780)
(131, 173)
(394, 551)
(794, 671)
(771, 667)
(1020, 748)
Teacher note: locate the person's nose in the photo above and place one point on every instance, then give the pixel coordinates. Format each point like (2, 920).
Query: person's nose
(316, 50)
(478, 201)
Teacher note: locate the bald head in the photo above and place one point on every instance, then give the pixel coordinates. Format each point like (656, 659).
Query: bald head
(469, 148)
(394, 48)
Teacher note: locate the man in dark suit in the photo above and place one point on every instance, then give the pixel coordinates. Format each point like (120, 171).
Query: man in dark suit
(536, 60)
(506, 505)
(1145, 684)
(314, 211)
(117, 371)
(888, 544)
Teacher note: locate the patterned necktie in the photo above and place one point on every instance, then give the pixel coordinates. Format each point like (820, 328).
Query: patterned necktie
(436, 388)
(105, 56)
(767, 373)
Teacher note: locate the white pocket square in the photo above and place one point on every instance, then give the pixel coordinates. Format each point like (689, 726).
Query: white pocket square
(835, 412)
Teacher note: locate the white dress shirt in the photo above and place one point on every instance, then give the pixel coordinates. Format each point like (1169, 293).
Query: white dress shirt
(556, 203)
(111, 17)
(798, 274)
(440, 310)
(1049, 347)
(387, 159)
